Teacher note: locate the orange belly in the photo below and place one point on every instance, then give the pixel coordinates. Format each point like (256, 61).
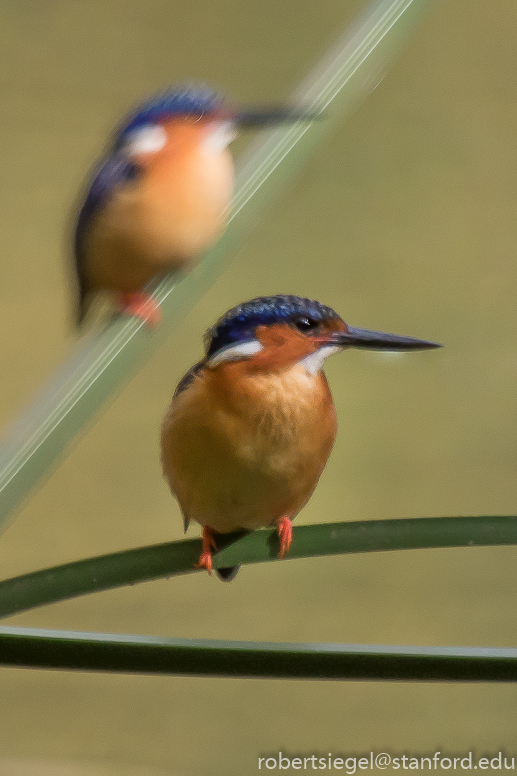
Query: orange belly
(243, 470)
(160, 222)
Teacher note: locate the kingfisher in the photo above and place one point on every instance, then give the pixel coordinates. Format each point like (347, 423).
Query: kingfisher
(251, 426)
(161, 194)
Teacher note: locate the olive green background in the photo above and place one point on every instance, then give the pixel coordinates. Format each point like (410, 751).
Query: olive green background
(405, 221)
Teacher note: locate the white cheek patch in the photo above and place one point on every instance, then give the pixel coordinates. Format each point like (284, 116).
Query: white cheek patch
(236, 352)
(147, 140)
(219, 135)
(314, 362)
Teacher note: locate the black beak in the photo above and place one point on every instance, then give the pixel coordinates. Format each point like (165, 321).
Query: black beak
(261, 117)
(378, 340)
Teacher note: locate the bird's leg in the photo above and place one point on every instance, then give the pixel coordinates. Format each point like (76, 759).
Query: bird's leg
(285, 534)
(209, 544)
(142, 305)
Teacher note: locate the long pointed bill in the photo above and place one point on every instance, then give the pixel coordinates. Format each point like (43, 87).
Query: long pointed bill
(261, 117)
(377, 340)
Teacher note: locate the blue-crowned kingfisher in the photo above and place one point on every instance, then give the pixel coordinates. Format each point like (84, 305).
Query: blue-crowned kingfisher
(161, 194)
(251, 426)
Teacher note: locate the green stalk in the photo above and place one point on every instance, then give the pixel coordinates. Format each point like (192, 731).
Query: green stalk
(30, 647)
(166, 560)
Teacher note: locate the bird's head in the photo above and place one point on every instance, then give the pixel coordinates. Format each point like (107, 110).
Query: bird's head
(194, 114)
(274, 332)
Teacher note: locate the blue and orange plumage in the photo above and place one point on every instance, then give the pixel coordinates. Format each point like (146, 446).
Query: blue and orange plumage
(251, 426)
(161, 195)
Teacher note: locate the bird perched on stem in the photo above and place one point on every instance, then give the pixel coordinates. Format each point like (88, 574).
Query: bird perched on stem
(161, 195)
(251, 426)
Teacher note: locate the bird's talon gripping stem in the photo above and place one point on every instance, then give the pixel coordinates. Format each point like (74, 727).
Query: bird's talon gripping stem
(209, 544)
(143, 306)
(285, 534)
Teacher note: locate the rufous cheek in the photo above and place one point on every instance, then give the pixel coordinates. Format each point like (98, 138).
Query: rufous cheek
(282, 346)
(273, 336)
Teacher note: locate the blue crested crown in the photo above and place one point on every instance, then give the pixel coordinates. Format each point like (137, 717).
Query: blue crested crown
(239, 323)
(189, 101)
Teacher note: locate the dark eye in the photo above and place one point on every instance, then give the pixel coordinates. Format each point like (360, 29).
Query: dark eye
(132, 171)
(305, 324)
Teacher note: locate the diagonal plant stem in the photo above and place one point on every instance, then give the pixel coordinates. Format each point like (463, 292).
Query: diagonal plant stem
(101, 363)
(166, 560)
(35, 648)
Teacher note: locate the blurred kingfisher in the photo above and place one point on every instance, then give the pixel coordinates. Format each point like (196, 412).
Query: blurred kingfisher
(161, 195)
(251, 426)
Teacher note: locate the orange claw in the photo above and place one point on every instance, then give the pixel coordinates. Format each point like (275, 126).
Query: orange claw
(143, 306)
(285, 534)
(209, 544)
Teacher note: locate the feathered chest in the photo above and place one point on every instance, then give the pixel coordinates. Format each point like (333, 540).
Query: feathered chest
(242, 451)
(276, 421)
(283, 407)
(178, 204)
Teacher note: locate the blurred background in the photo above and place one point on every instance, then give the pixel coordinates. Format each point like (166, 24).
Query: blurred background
(404, 221)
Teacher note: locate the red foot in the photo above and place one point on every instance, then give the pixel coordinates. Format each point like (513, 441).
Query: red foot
(209, 544)
(285, 534)
(142, 305)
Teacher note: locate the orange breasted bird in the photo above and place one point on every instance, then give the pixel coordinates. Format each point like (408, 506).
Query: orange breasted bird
(251, 426)
(161, 195)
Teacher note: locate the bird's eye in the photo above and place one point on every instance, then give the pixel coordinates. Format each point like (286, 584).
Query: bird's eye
(305, 324)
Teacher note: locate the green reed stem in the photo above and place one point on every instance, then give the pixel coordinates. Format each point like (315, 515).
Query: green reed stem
(167, 560)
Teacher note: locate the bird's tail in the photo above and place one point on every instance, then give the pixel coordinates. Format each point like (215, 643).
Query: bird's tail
(228, 573)
(82, 306)
(82, 309)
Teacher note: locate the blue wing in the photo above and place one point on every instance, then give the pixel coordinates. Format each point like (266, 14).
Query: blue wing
(189, 378)
(113, 171)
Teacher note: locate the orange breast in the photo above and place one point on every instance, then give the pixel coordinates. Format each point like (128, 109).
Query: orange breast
(245, 458)
(186, 195)
(163, 219)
